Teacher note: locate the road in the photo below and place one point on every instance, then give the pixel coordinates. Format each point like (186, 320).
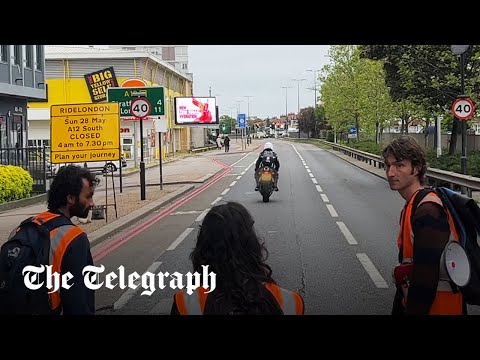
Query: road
(330, 231)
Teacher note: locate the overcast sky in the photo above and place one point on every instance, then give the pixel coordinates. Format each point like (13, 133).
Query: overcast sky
(235, 71)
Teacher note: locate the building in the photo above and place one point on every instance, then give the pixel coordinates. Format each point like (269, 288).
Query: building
(22, 79)
(175, 55)
(67, 70)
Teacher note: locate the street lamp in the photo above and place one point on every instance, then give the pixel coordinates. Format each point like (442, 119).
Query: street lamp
(314, 86)
(298, 102)
(460, 50)
(286, 103)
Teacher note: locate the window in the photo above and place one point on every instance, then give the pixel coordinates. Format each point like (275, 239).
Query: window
(184, 66)
(17, 55)
(29, 56)
(4, 53)
(168, 53)
(39, 57)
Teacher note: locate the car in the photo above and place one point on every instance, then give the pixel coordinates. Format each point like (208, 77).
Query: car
(111, 166)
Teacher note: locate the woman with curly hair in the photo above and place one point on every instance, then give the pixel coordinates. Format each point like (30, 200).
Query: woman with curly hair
(228, 244)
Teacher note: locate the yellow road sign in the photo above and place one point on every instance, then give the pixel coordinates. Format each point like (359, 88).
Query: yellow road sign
(85, 132)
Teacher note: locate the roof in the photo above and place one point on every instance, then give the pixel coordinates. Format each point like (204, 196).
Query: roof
(77, 52)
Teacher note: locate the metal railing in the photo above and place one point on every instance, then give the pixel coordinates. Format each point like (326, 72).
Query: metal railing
(437, 176)
(32, 159)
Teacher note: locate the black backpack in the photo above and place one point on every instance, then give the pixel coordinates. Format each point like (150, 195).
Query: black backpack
(28, 244)
(466, 215)
(268, 158)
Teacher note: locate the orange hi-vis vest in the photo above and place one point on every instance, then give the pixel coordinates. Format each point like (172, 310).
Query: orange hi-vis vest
(290, 302)
(446, 301)
(60, 239)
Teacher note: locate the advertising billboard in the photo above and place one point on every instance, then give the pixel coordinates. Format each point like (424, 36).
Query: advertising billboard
(98, 82)
(195, 111)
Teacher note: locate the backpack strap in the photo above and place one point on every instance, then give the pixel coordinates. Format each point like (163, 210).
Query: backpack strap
(418, 198)
(44, 228)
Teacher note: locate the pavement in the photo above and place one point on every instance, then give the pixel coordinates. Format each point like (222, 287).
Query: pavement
(181, 172)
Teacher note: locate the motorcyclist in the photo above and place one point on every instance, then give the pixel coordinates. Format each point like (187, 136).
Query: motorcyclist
(269, 158)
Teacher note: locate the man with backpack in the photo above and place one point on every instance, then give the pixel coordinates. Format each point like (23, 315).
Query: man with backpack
(269, 158)
(426, 227)
(50, 238)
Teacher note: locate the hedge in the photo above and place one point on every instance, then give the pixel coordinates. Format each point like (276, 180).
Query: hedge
(15, 183)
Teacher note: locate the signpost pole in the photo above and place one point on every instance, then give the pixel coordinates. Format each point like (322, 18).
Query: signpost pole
(160, 165)
(141, 108)
(142, 164)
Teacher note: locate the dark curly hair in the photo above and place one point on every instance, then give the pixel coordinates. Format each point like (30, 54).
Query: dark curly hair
(68, 181)
(407, 148)
(228, 243)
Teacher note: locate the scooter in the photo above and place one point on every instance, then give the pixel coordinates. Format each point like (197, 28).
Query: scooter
(265, 182)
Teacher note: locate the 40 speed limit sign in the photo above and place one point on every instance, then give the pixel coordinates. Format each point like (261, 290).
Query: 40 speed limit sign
(140, 108)
(463, 108)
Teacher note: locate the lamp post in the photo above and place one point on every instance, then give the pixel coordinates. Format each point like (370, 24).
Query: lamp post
(314, 86)
(460, 50)
(298, 101)
(286, 104)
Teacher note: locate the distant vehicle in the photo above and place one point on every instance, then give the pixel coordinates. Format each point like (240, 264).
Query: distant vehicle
(111, 166)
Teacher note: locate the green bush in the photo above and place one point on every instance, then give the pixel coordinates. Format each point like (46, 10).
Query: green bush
(15, 183)
(368, 146)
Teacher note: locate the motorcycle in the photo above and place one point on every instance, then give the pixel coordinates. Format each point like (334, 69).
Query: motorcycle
(265, 182)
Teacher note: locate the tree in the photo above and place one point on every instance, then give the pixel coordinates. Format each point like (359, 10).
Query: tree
(428, 75)
(227, 124)
(354, 92)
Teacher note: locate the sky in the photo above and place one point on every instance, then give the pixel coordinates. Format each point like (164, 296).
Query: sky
(249, 78)
(233, 72)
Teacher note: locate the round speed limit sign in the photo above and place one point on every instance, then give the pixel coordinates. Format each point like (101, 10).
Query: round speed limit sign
(463, 108)
(140, 108)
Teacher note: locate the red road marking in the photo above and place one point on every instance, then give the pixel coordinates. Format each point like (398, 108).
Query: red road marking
(119, 241)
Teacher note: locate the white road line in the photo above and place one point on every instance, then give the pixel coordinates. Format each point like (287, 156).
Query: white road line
(202, 215)
(324, 198)
(216, 200)
(239, 177)
(306, 167)
(372, 271)
(233, 183)
(348, 235)
(243, 157)
(332, 210)
(308, 170)
(180, 238)
(314, 180)
(242, 173)
(225, 191)
(319, 188)
(249, 166)
(127, 295)
(239, 165)
(186, 212)
(311, 175)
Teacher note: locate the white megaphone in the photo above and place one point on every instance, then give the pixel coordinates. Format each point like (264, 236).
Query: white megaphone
(456, 263)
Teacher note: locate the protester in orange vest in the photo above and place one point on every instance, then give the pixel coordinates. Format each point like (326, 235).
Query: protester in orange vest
(423, 287)
(70, 194)
(228, 244)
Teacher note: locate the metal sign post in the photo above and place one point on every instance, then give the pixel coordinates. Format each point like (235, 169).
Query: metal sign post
(141, 108)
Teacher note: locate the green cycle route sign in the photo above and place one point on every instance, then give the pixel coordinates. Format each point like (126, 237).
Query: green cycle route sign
(124, 95)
